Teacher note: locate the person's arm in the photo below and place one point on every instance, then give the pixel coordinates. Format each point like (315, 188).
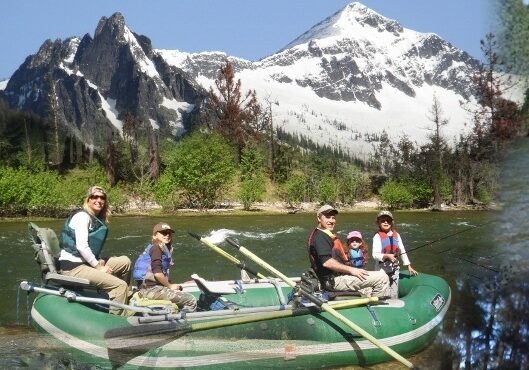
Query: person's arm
(80, 223)
(405, 259)
(378, 256)
(156, 267)
(336, 266)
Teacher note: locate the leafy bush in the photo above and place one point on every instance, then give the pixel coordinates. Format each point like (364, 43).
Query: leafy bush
(293, 190)
(395, 195)
(327, 189)
(201, 166)
(252, 190)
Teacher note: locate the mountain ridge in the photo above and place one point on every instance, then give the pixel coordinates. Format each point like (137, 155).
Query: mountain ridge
(342, 83)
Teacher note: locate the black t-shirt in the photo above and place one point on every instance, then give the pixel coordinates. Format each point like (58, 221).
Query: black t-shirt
(321, 246)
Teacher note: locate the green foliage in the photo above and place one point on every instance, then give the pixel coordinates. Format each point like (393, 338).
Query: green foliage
(293, 190)
(352, 185)
(165, 193)
(252, 190)
(253, 181)
(420, 190)
(395, 195)
(483, 195)
(201, 167)
(327, 189)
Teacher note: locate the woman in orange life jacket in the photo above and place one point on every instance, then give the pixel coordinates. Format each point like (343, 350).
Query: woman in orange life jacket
(387, 248)
(335, 274)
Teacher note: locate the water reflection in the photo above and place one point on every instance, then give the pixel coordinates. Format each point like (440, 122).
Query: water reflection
(490, 327)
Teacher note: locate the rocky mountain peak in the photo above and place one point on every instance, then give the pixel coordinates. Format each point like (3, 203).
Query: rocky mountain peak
(347, 23)
(115, 26)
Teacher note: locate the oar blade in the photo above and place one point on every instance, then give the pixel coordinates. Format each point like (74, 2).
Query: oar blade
(144, 337)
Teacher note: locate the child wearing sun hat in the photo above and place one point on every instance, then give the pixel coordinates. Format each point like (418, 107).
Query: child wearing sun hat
(357, 249)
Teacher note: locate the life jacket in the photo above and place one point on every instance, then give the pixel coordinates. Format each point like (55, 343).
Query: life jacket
(338, 252)
(96, 235)
(358, 258)
(142, 267)
(390, 244)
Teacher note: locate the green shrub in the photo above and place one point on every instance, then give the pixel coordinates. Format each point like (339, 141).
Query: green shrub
(395, 195)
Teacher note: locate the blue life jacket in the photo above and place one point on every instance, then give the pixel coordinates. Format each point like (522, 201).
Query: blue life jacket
(96, 235)
(142, 267)
(357, 257)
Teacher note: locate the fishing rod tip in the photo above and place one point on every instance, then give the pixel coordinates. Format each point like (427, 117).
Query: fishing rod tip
(194, 235)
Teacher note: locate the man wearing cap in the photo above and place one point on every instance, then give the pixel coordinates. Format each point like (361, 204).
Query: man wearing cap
(151, 270)
(333, 274)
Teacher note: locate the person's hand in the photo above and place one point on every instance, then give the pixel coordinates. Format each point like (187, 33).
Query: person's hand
(359, 273)
(176, 287)
(104, 268)
(412, 271)
(390, 257)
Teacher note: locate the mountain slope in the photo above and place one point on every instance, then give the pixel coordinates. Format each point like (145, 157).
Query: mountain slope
(95, 81)
(350, 77)
(340, 84)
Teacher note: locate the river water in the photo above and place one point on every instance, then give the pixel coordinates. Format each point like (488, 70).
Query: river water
(472, 250)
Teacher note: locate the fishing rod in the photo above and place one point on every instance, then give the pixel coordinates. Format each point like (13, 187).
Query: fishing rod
(448, 236)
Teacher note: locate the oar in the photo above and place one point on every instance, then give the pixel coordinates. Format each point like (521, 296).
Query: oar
(147, 335)
(228, 256)
(71, 296)
(325, 306)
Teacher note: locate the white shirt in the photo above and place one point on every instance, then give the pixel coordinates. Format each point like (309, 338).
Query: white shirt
(377, 250)
(81, 223)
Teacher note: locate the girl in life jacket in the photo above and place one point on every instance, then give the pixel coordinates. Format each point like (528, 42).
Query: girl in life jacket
(357, 248)
(388, 247)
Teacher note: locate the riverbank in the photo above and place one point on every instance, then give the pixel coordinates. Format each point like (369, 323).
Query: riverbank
(272, 208)
(135, 208)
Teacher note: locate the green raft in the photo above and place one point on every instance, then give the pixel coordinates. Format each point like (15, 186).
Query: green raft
(305, 338)
(258, 323)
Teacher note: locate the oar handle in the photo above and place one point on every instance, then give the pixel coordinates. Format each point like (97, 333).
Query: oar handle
(228, 256)
(261, 263)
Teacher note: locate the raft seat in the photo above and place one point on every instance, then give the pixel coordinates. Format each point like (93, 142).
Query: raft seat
(47, 251)
(213, 287)
(211, 297)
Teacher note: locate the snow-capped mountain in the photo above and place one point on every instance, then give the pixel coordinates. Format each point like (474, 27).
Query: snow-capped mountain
(339, 84)
(351, 76)
(96, 81)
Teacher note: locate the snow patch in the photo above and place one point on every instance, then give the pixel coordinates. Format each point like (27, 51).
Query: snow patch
(154, 124)
(109, 107)
(146, 65)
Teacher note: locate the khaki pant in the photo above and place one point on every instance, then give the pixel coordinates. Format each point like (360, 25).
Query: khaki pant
(375, 284)
(183, 300)
(115, 284)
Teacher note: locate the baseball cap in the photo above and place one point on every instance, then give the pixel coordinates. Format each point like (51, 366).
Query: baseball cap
(354, 234)
(95, 189)
(384, 213)
(162, 226)
(326, 208)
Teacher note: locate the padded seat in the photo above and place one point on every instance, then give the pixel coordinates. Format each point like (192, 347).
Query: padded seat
(213, 287)
(47, 252)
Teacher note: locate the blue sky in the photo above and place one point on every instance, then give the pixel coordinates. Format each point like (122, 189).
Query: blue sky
(248, 29)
